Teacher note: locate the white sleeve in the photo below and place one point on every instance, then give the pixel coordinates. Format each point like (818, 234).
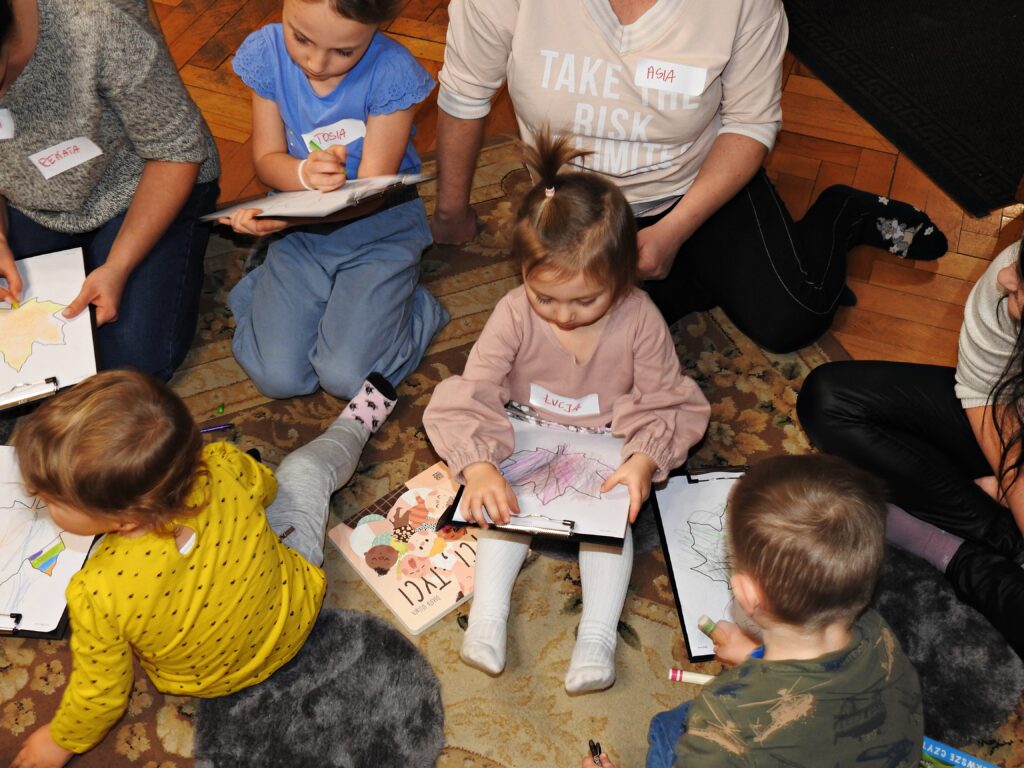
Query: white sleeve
(476, 55)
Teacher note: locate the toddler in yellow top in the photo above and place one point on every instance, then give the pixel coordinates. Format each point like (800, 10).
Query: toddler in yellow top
(208, 572)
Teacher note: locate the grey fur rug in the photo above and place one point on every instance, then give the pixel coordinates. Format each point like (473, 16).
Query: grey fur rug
(970, 678)
(358, 695)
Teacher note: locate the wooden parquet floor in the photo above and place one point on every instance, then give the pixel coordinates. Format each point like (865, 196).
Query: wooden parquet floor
(909, 311)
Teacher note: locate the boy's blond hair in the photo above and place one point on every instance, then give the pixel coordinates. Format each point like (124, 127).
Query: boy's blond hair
(119, 445)
(810, 530)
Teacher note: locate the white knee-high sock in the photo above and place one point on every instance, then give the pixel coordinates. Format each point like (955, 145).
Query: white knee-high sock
(605, 572)
(499, 556)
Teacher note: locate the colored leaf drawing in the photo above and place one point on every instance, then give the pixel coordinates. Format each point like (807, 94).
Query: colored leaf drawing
(34, 322)
(552, 474)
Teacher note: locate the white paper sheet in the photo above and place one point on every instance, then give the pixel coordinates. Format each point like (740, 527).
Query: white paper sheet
(36, 341)
(557, 475)
(693, 520)
(316, 204)
(37, 559)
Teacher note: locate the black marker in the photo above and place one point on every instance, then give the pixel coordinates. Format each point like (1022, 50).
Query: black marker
(595, 752)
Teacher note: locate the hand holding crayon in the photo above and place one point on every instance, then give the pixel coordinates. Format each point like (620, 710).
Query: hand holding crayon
(324, 169)
(732, 644)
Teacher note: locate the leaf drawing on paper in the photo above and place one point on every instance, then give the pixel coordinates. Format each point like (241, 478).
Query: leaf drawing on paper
(706, 539)
(554, 473)
(34, 322)
(28, 547)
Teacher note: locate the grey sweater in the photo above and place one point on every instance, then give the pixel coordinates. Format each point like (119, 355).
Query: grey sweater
(101, 71)
(987, 335)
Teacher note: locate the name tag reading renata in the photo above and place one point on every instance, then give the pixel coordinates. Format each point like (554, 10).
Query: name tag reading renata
(6, 124)
(569, 406)
(54, 160)
(342, 132)
(670, 76)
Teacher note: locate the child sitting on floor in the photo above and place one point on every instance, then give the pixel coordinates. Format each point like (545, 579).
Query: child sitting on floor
(580, 332)
(209, 571)
(806, 536)
(333, 99)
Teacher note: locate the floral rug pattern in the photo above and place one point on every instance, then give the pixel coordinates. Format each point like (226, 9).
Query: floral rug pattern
(523, 717)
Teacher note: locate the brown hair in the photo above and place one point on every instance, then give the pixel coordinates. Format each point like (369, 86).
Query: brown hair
(119, 445)
(574, 222)
(368, 11)
(810, 530)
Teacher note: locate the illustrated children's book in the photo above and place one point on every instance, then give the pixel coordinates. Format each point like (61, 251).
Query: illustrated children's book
(556, 473)
(690, 511)
(419, 569)
(936, 753)
(313, 204)
(37, 559)
(40, 349)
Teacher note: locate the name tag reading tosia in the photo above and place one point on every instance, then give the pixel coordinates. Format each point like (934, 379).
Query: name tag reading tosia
(669, 76)
(64, 156)
(6, 124)
(570, 406)
(340, 133)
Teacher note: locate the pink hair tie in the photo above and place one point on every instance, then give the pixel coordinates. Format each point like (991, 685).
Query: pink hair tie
(549, 191)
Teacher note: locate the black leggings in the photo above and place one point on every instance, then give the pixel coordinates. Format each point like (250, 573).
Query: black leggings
(904, 423)
(779, 281)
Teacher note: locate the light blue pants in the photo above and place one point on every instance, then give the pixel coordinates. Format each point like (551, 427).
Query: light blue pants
(326, 310)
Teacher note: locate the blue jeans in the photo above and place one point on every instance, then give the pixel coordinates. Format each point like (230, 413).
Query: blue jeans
(160, 305)
(666, 729)
(330, 306)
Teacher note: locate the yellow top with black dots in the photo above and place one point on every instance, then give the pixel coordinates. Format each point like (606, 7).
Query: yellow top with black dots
(220, 618)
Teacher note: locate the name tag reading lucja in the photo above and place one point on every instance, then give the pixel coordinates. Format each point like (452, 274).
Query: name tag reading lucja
(570, 406)
(54, 160)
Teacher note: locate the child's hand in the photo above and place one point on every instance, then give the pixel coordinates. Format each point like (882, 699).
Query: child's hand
(325, 168)
(244, 222)
(487, 488)
(41, 751)
(732, 644)
(606, 762)
(635, 473)
(9, 272)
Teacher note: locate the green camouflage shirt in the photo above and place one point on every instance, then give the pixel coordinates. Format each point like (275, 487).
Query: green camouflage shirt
(857, 706)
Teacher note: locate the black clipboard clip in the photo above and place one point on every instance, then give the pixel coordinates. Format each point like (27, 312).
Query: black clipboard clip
(564, 528)
(694, 475)
(28, 393)
(16, 617)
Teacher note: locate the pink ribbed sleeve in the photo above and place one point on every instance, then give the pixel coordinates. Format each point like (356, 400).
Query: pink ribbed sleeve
(465, 419)
(665, 414)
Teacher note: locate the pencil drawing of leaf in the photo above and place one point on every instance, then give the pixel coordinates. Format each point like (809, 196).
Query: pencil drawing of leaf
(706, 543)
(551, 474)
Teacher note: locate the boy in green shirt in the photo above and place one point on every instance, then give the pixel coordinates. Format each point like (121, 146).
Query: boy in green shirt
(834, 688)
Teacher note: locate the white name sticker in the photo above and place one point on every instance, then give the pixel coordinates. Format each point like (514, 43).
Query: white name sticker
(64, 156)
(669, 76)
(6, 124)
(342, 132)
(567, 406)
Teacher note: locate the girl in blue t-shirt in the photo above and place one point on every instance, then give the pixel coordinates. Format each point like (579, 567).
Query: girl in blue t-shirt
(333, 99)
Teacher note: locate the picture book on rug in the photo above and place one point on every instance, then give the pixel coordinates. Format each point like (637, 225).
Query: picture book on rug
(557, 473)
(690, 511)
(314, 204)
(40, 349)
(419, 569)
(37, 559)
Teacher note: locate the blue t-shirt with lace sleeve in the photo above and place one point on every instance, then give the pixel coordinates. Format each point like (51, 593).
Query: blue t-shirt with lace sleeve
(386, 79)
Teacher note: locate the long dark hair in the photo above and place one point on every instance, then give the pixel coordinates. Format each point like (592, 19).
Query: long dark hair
(1010, 390)
(6, 21)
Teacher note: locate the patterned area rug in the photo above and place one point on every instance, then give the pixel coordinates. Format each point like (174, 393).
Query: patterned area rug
(524, 717)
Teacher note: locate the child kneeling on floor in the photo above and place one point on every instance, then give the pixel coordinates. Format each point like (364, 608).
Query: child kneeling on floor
(806, 536)
(209, 571)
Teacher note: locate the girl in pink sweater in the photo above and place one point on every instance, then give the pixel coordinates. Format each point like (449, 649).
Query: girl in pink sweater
(583, 346)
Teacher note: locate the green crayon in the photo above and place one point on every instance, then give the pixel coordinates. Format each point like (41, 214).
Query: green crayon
(706, 625)
(314, 145)
(220, 408)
